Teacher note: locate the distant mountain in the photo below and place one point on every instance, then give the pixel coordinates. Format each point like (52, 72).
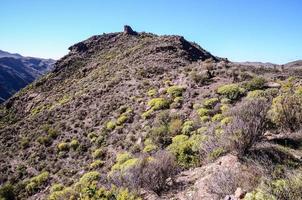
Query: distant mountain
(297, 63)
(17, 71)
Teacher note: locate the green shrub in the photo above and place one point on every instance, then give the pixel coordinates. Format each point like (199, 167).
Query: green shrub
(217, 117)
(298, 90)
(216, 153)
(185, 149)
(123, 162)
(35, 182)
(158, 103)
(187, 127)
(96, 164)
(175, 91)
(177, 102)
(256, 94)
(74, 144)
(92, 136)
(122, 119)
(24, 143)
(204, 118)
(226, 120)
(231, 91)
(202, 130)
(225, 101)
(210, 103)
(175, 126)
(286, 188)
(147, 114)
(56, 187)
(110, 125)
(53, 133)
(45, 140)
(224, 107)
(98, 153)
(152, 92)
(63, 146)
(7, 192)
(286, 111)
(150, 148)
(202, 112)
(256, 83)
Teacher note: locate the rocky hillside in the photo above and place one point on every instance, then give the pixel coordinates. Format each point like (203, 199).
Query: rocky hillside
(17, 71)
(133, 115)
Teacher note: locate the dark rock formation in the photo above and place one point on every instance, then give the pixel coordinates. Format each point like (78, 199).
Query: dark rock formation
(128, 30)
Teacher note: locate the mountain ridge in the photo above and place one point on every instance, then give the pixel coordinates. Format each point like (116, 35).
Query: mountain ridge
(153, 114)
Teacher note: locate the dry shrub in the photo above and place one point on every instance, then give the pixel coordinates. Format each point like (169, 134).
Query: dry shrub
(248, 125)
(149, 173)
(224, 182)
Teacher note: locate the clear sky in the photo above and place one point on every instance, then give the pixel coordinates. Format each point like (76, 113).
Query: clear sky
(241, 30)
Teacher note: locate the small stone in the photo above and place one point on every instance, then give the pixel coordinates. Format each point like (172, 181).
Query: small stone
(273, 85)
(239, 193)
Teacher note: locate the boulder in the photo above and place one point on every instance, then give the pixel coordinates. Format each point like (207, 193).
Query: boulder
(128, 30)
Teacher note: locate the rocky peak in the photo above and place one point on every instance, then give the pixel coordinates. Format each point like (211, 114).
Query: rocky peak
(129, 31)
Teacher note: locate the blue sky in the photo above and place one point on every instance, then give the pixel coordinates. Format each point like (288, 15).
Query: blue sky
(241, 30)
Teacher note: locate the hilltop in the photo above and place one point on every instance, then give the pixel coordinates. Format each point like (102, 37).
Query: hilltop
(132, 115)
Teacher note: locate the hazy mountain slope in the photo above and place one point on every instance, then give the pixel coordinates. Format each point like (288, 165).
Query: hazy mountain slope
(17, 72)
(142, 95)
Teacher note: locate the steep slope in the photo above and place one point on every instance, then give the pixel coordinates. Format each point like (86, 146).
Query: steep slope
(113, 100)
(16, 72)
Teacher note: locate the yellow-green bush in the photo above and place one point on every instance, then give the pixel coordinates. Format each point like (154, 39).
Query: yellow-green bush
(147, 114)
(210, 103)
(187, 128)
(231, 91)
(256, 94)
(56, 187)
(98, 153)
(255, 84)
(204, 118)
(286, 188)
(203, 112)
(185, 149)
(149, 148)
(216, 153)
(110, 125)
(226, 120)
(286, 111)
(158, 103)
(122, 119)
(224, 107)
(124, 161)
(175, 126)
(175, 91)
(7, 192)
(96, 164)
(152, 92)
(217, 117)
(37, 181)
(74, 144)
(63, 146)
